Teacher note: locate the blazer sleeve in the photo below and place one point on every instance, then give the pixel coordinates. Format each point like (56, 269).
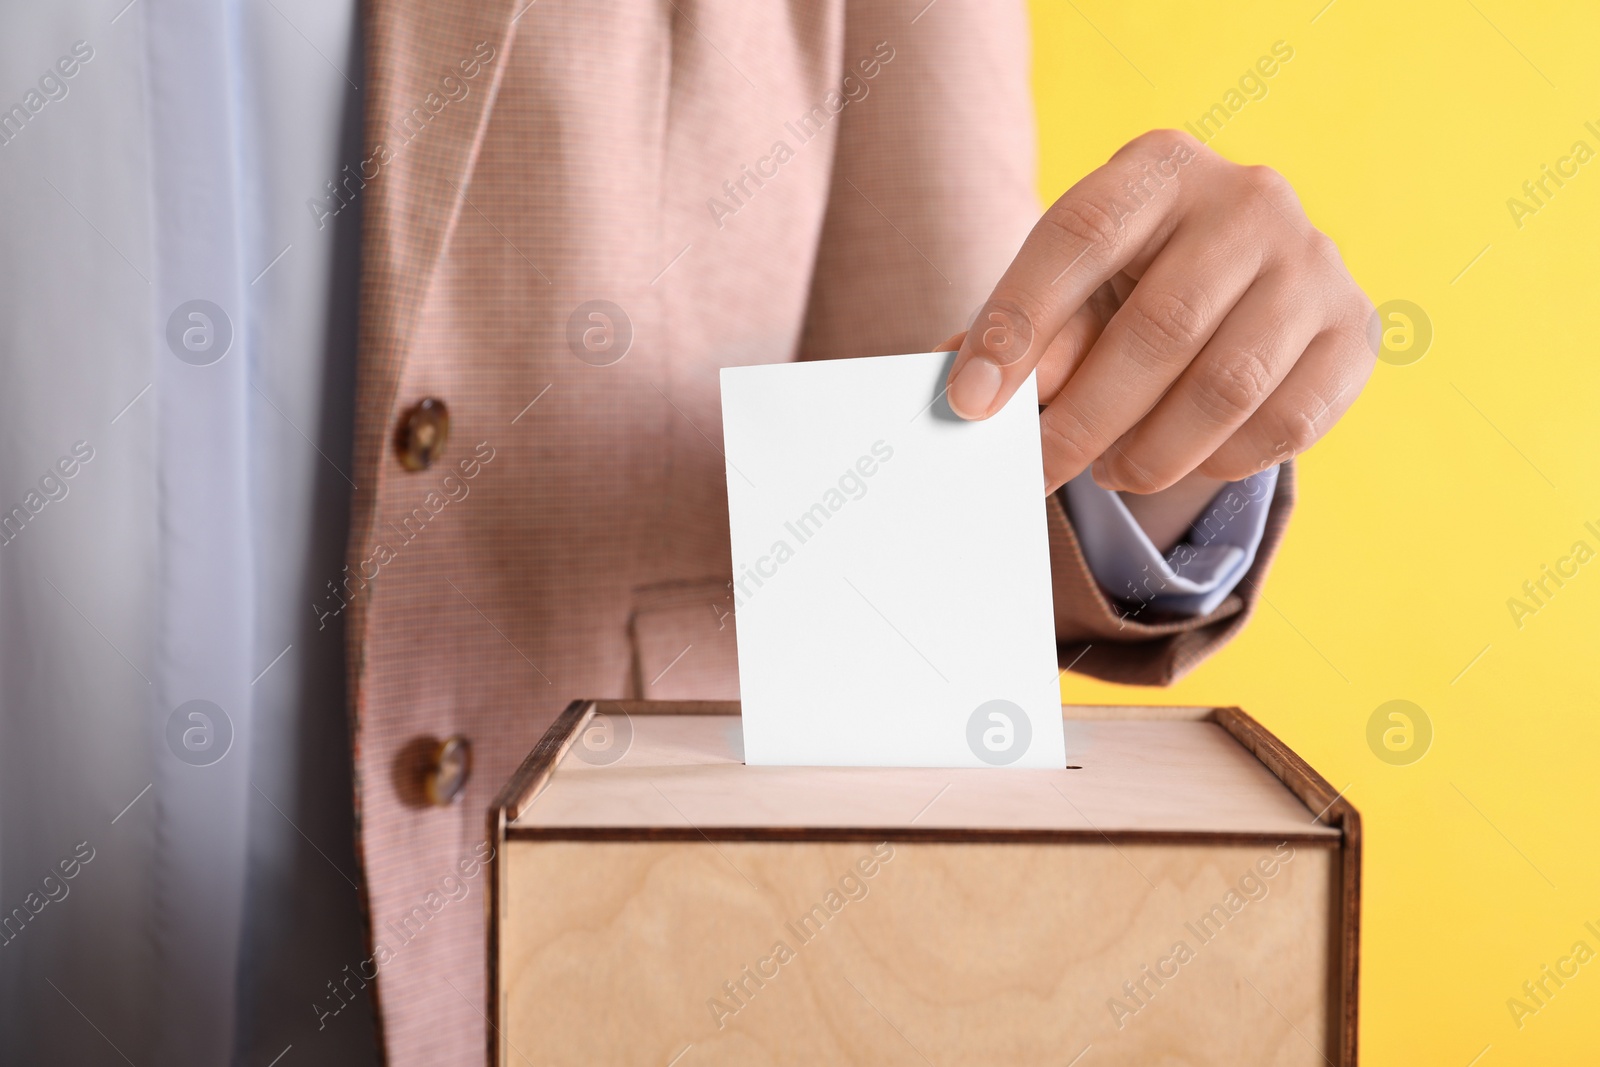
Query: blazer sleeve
(1107, 639)
(932, 192)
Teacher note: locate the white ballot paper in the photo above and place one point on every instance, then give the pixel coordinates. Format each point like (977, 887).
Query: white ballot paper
(891, 569)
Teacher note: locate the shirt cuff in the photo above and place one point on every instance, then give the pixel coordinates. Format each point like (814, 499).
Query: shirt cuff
(1199, 572)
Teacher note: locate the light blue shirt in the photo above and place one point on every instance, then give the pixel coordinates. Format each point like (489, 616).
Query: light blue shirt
(251, 109)
(1199, 572)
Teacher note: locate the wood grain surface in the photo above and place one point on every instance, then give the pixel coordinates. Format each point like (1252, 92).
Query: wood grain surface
(1158, 776)
(617, 953)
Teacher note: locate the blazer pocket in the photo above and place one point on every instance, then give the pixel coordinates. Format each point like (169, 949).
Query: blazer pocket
(682, 636)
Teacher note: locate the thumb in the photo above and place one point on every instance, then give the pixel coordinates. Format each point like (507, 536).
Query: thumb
(996, 357)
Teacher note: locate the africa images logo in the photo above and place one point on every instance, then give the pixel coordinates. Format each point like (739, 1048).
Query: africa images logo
(998, 732)
(199, 733)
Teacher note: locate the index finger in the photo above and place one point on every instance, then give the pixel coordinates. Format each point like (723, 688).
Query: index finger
(1100, 225)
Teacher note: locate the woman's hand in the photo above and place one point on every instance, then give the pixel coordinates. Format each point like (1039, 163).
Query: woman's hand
(1185, 319)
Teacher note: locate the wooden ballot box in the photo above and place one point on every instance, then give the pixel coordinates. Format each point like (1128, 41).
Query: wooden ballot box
(1186, 891)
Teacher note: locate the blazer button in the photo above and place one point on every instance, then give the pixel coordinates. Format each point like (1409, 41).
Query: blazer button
(448, 768)
(421, 434)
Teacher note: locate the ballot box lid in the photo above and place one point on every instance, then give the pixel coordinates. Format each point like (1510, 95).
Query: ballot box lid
(675, 771)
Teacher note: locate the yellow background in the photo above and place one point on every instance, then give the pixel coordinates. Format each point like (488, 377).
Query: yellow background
(1405, 128)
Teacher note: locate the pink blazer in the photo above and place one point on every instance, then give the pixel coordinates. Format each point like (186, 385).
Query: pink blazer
(737, 183)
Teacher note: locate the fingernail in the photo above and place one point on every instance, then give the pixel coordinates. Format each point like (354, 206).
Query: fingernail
(975, 387)
(1100, 472)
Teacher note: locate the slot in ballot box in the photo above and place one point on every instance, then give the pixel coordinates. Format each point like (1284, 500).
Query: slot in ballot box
(1186, 891)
